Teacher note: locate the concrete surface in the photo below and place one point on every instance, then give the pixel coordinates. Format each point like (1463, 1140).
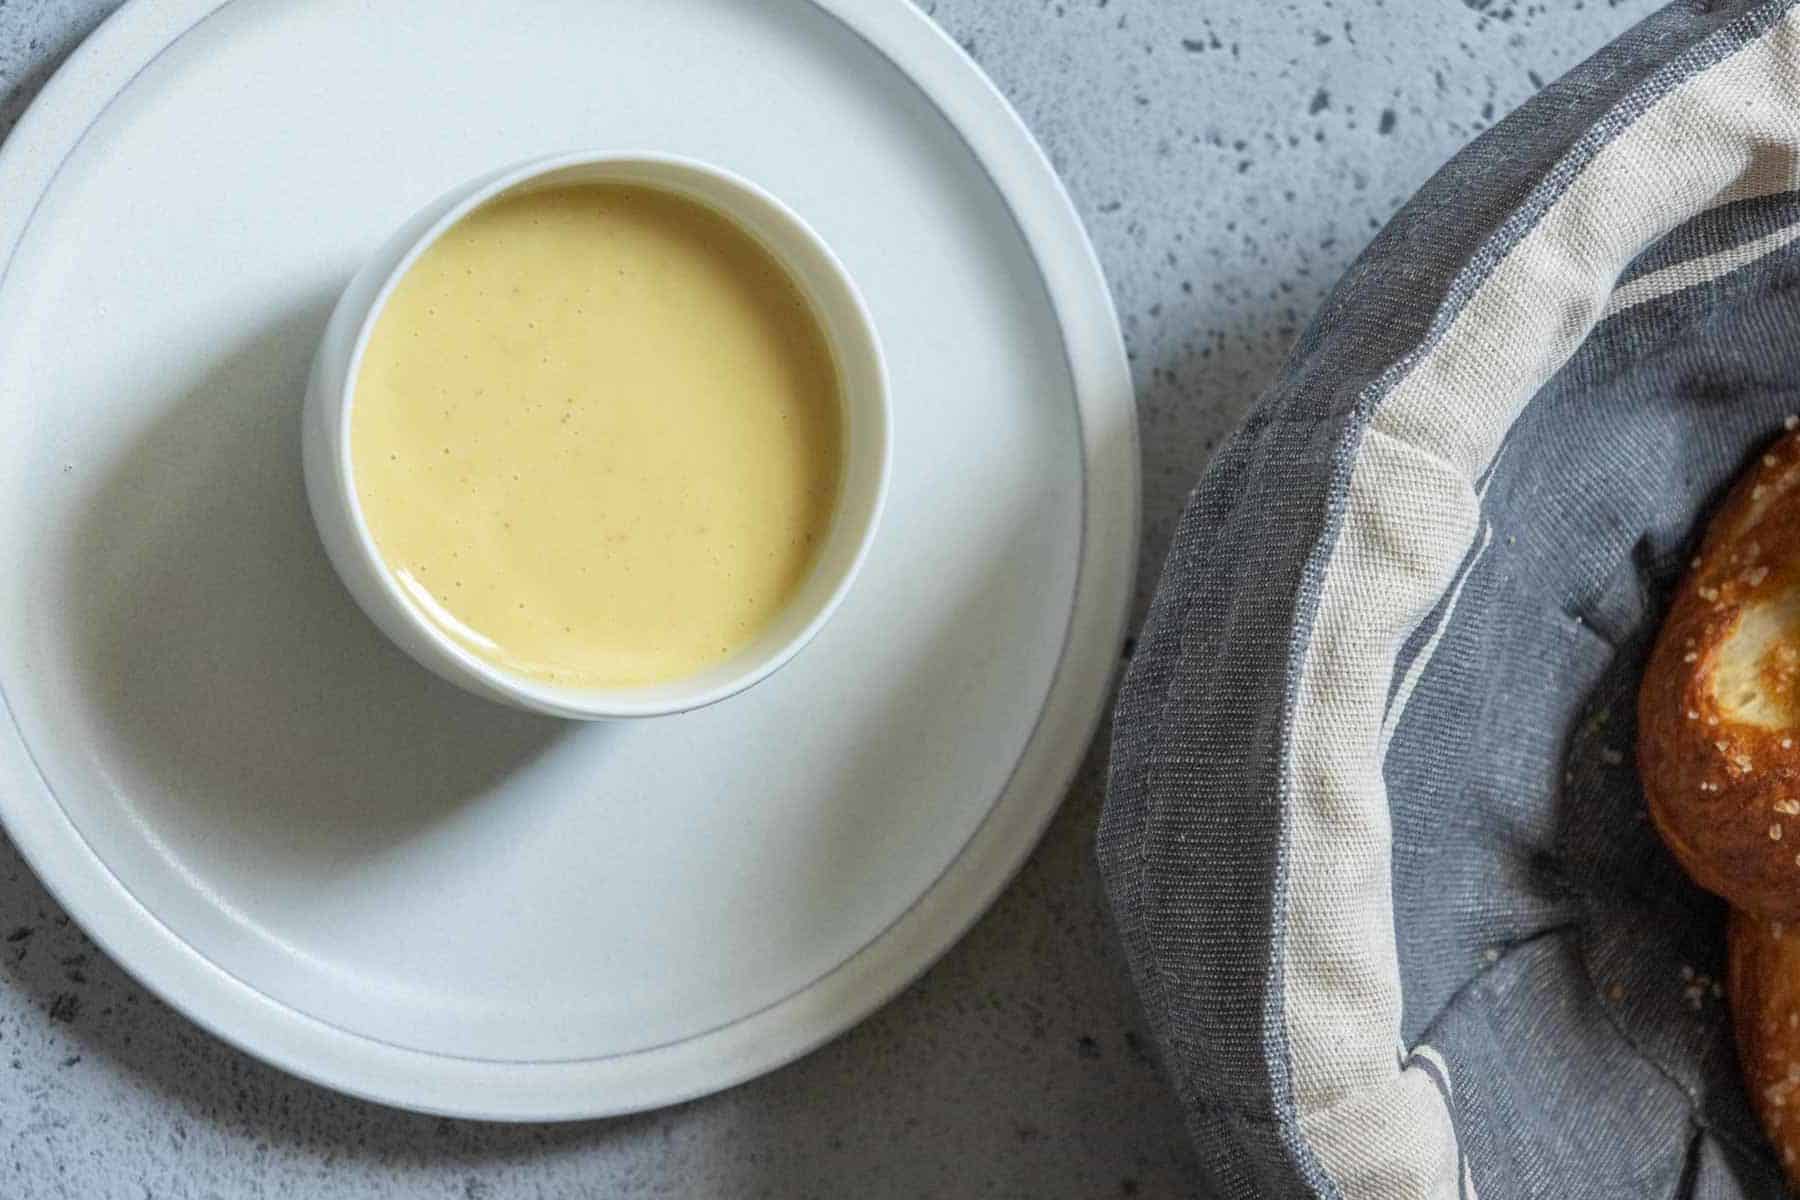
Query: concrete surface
(1230, 158)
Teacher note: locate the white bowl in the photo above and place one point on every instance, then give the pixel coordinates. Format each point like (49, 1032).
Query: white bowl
(330, 484)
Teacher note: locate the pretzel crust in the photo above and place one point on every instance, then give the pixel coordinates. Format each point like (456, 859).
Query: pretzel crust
(1719, 710)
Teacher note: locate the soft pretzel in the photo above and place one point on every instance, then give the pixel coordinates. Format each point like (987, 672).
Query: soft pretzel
(1764, 991)
(1719, 710)
(1719, 757)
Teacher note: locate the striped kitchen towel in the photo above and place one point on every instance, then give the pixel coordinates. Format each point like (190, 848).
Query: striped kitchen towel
(1373, 838)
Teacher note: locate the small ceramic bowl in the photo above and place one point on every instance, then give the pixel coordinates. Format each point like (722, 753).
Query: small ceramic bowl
(336, 509)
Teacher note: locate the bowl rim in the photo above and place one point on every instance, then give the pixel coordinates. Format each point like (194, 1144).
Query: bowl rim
(671, 697)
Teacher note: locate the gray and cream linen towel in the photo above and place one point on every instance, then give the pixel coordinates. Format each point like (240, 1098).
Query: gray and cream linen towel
(1373, 839)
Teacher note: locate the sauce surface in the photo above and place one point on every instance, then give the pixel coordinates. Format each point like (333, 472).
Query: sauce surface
(596, 434)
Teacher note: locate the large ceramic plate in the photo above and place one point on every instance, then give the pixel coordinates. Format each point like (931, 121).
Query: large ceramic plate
(323, 855)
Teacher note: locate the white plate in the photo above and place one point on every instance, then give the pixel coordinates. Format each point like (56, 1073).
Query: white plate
(320, 853)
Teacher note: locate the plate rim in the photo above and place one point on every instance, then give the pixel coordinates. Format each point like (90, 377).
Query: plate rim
(53, 126)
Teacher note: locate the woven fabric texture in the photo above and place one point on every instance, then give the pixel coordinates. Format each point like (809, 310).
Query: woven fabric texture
(1373, 840)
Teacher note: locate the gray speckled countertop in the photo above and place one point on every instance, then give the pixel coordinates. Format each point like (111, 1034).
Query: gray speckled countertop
(1230, 159)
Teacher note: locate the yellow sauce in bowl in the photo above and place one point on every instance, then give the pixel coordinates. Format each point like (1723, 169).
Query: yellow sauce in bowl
(597, 435)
